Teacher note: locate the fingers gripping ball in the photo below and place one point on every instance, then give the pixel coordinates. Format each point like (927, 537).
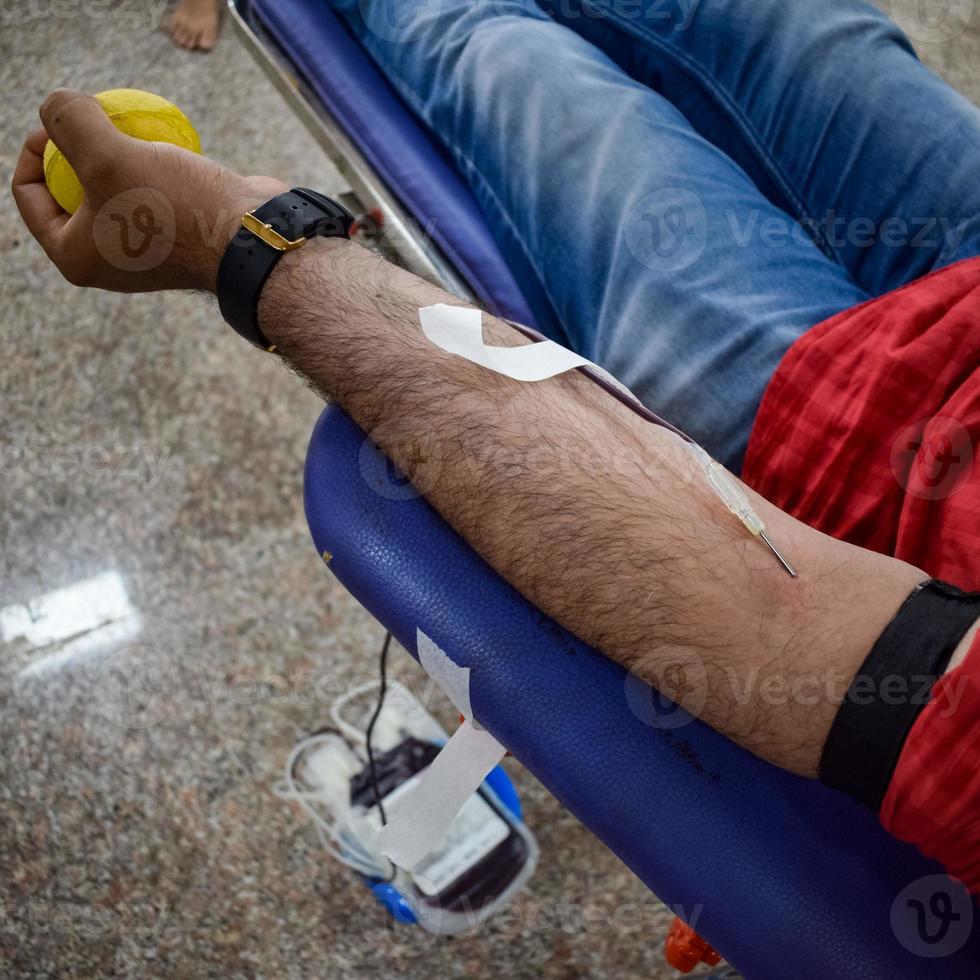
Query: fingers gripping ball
(142, 115)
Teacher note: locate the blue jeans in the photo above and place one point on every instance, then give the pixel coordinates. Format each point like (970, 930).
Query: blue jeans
(693, 183)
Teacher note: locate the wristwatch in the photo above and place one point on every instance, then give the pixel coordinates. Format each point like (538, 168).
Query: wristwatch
(266, 234)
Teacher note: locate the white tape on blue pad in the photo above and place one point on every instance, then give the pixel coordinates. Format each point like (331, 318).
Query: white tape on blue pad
(418, 822)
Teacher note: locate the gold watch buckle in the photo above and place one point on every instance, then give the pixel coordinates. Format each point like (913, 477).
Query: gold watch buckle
(268, 234)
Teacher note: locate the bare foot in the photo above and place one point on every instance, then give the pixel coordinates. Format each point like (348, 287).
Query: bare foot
(194, 24)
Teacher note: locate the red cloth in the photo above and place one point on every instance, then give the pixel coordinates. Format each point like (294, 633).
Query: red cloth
(870, 432)
(934, 797)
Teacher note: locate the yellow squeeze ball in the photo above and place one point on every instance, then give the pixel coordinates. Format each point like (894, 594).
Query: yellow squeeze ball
(140, 114)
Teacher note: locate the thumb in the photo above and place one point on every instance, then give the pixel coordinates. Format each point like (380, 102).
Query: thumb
(79, 127)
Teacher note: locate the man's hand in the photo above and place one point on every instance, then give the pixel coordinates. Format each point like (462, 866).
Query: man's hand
(155, 216)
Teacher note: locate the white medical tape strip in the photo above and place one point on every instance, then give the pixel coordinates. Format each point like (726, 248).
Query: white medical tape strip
(459, 330)
(417, 824)
(453, 679)
(416, 827)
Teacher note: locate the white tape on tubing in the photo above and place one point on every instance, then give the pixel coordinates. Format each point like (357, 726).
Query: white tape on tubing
(417, 825)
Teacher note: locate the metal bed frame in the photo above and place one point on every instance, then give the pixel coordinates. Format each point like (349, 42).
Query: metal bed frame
(398, 236)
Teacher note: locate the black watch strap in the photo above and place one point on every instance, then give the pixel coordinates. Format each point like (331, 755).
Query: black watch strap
(266, 234)
(892, 687)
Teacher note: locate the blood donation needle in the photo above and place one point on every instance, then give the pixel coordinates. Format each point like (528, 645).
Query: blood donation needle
(789, 568)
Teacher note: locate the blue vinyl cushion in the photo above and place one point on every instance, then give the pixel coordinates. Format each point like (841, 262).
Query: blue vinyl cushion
(786, 877)
(395, 143)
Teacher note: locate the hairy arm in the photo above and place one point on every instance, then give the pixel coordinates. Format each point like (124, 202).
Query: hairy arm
(596, 516)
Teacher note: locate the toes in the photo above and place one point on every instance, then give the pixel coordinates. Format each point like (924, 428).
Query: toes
(193, 33)
(181, 33)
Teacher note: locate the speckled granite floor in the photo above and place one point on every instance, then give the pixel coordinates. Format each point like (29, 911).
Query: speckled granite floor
(153, 463)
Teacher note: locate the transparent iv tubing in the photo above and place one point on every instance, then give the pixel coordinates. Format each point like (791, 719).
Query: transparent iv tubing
(724, 486)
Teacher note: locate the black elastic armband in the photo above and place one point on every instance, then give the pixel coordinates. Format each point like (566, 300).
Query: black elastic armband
(893, 685)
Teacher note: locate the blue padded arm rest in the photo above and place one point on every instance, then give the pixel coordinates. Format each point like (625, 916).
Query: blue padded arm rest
(791, 879)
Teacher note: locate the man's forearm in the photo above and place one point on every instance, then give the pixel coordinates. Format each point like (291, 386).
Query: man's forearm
(595, 515)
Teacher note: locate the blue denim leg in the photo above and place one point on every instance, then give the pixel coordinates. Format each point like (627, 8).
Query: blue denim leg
(827, 109)
(631, 220)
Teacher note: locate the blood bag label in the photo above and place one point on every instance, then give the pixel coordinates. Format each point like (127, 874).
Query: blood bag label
(475, 831)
